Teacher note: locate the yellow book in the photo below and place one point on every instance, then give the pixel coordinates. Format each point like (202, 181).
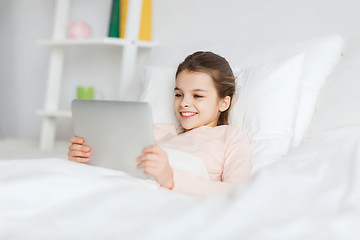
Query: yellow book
(145, 21)
(123, 11)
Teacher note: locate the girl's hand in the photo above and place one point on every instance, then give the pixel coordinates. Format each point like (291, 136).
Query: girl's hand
(78, 152)
(155, 162)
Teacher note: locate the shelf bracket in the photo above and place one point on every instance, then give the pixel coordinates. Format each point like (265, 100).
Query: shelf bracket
(48, 128)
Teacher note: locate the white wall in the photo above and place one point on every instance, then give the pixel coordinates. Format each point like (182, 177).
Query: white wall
(245, 24)
(191, 24)
(22, 64)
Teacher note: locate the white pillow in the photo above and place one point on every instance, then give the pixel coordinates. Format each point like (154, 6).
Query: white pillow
(322, 55)
(339, 101)
(159, 84)
(267, 105)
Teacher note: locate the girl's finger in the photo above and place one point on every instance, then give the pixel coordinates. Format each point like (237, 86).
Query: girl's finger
(77, 140)
(150, 170)
(79, 159)
(78, 147)
(147, 156)
(151, 149)
(146, 164)
(79, 154)
(151, 157)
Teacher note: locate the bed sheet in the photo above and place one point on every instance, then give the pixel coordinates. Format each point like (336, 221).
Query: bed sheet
(313, 193)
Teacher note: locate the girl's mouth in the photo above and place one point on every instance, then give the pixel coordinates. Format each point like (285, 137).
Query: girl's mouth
(187, 114)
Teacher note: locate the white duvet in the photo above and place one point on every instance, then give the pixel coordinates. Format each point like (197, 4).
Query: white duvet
(313, 193)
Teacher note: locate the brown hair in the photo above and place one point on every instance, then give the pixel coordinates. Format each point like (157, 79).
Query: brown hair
(218, 69)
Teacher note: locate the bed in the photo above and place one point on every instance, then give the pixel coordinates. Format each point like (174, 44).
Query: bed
(306, 164)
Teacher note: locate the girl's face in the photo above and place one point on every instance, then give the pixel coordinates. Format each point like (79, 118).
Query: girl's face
(196, 100)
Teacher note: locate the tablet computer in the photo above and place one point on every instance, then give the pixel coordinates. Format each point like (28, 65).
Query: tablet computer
(116, 132)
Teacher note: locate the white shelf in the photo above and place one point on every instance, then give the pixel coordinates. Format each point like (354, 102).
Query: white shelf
(95, 41)
(58, 41)
(55, 114)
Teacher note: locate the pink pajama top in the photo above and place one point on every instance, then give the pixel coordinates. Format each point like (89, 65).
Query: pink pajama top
(225, 151)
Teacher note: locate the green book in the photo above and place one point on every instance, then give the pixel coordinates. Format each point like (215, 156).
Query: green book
(114, 19)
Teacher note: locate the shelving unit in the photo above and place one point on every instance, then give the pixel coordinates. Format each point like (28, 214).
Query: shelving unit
(130, 44)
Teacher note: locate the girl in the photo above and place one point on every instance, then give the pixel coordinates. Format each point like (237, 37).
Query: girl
(205, 86)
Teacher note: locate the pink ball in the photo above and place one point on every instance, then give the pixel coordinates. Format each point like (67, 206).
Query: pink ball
(78, 29)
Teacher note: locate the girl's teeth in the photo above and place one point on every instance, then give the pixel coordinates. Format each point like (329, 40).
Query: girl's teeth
(188, 114)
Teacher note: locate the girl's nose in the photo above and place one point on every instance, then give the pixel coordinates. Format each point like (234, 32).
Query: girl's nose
(185, 102)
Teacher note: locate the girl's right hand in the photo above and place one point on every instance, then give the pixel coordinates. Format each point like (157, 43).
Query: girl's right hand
(78, 152)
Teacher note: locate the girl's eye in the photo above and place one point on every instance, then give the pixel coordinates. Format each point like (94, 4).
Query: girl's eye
(177, 95)
(197, 96)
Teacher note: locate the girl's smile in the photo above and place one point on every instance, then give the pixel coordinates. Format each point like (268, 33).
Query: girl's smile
(187, 114)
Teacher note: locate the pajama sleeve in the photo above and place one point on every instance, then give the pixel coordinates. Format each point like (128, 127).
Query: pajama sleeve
(237, 164)
(161, 131)
(236, 169)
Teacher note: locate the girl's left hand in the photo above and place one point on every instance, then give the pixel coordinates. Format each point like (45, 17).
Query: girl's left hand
(155, 162)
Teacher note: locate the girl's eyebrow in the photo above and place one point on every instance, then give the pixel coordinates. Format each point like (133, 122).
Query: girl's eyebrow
(194, 90)
(199, 90)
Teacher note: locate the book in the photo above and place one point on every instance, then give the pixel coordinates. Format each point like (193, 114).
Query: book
(123, 11)
(145, 21)
(114, 19)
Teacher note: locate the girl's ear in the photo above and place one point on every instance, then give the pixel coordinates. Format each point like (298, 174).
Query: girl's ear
(224, 103)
